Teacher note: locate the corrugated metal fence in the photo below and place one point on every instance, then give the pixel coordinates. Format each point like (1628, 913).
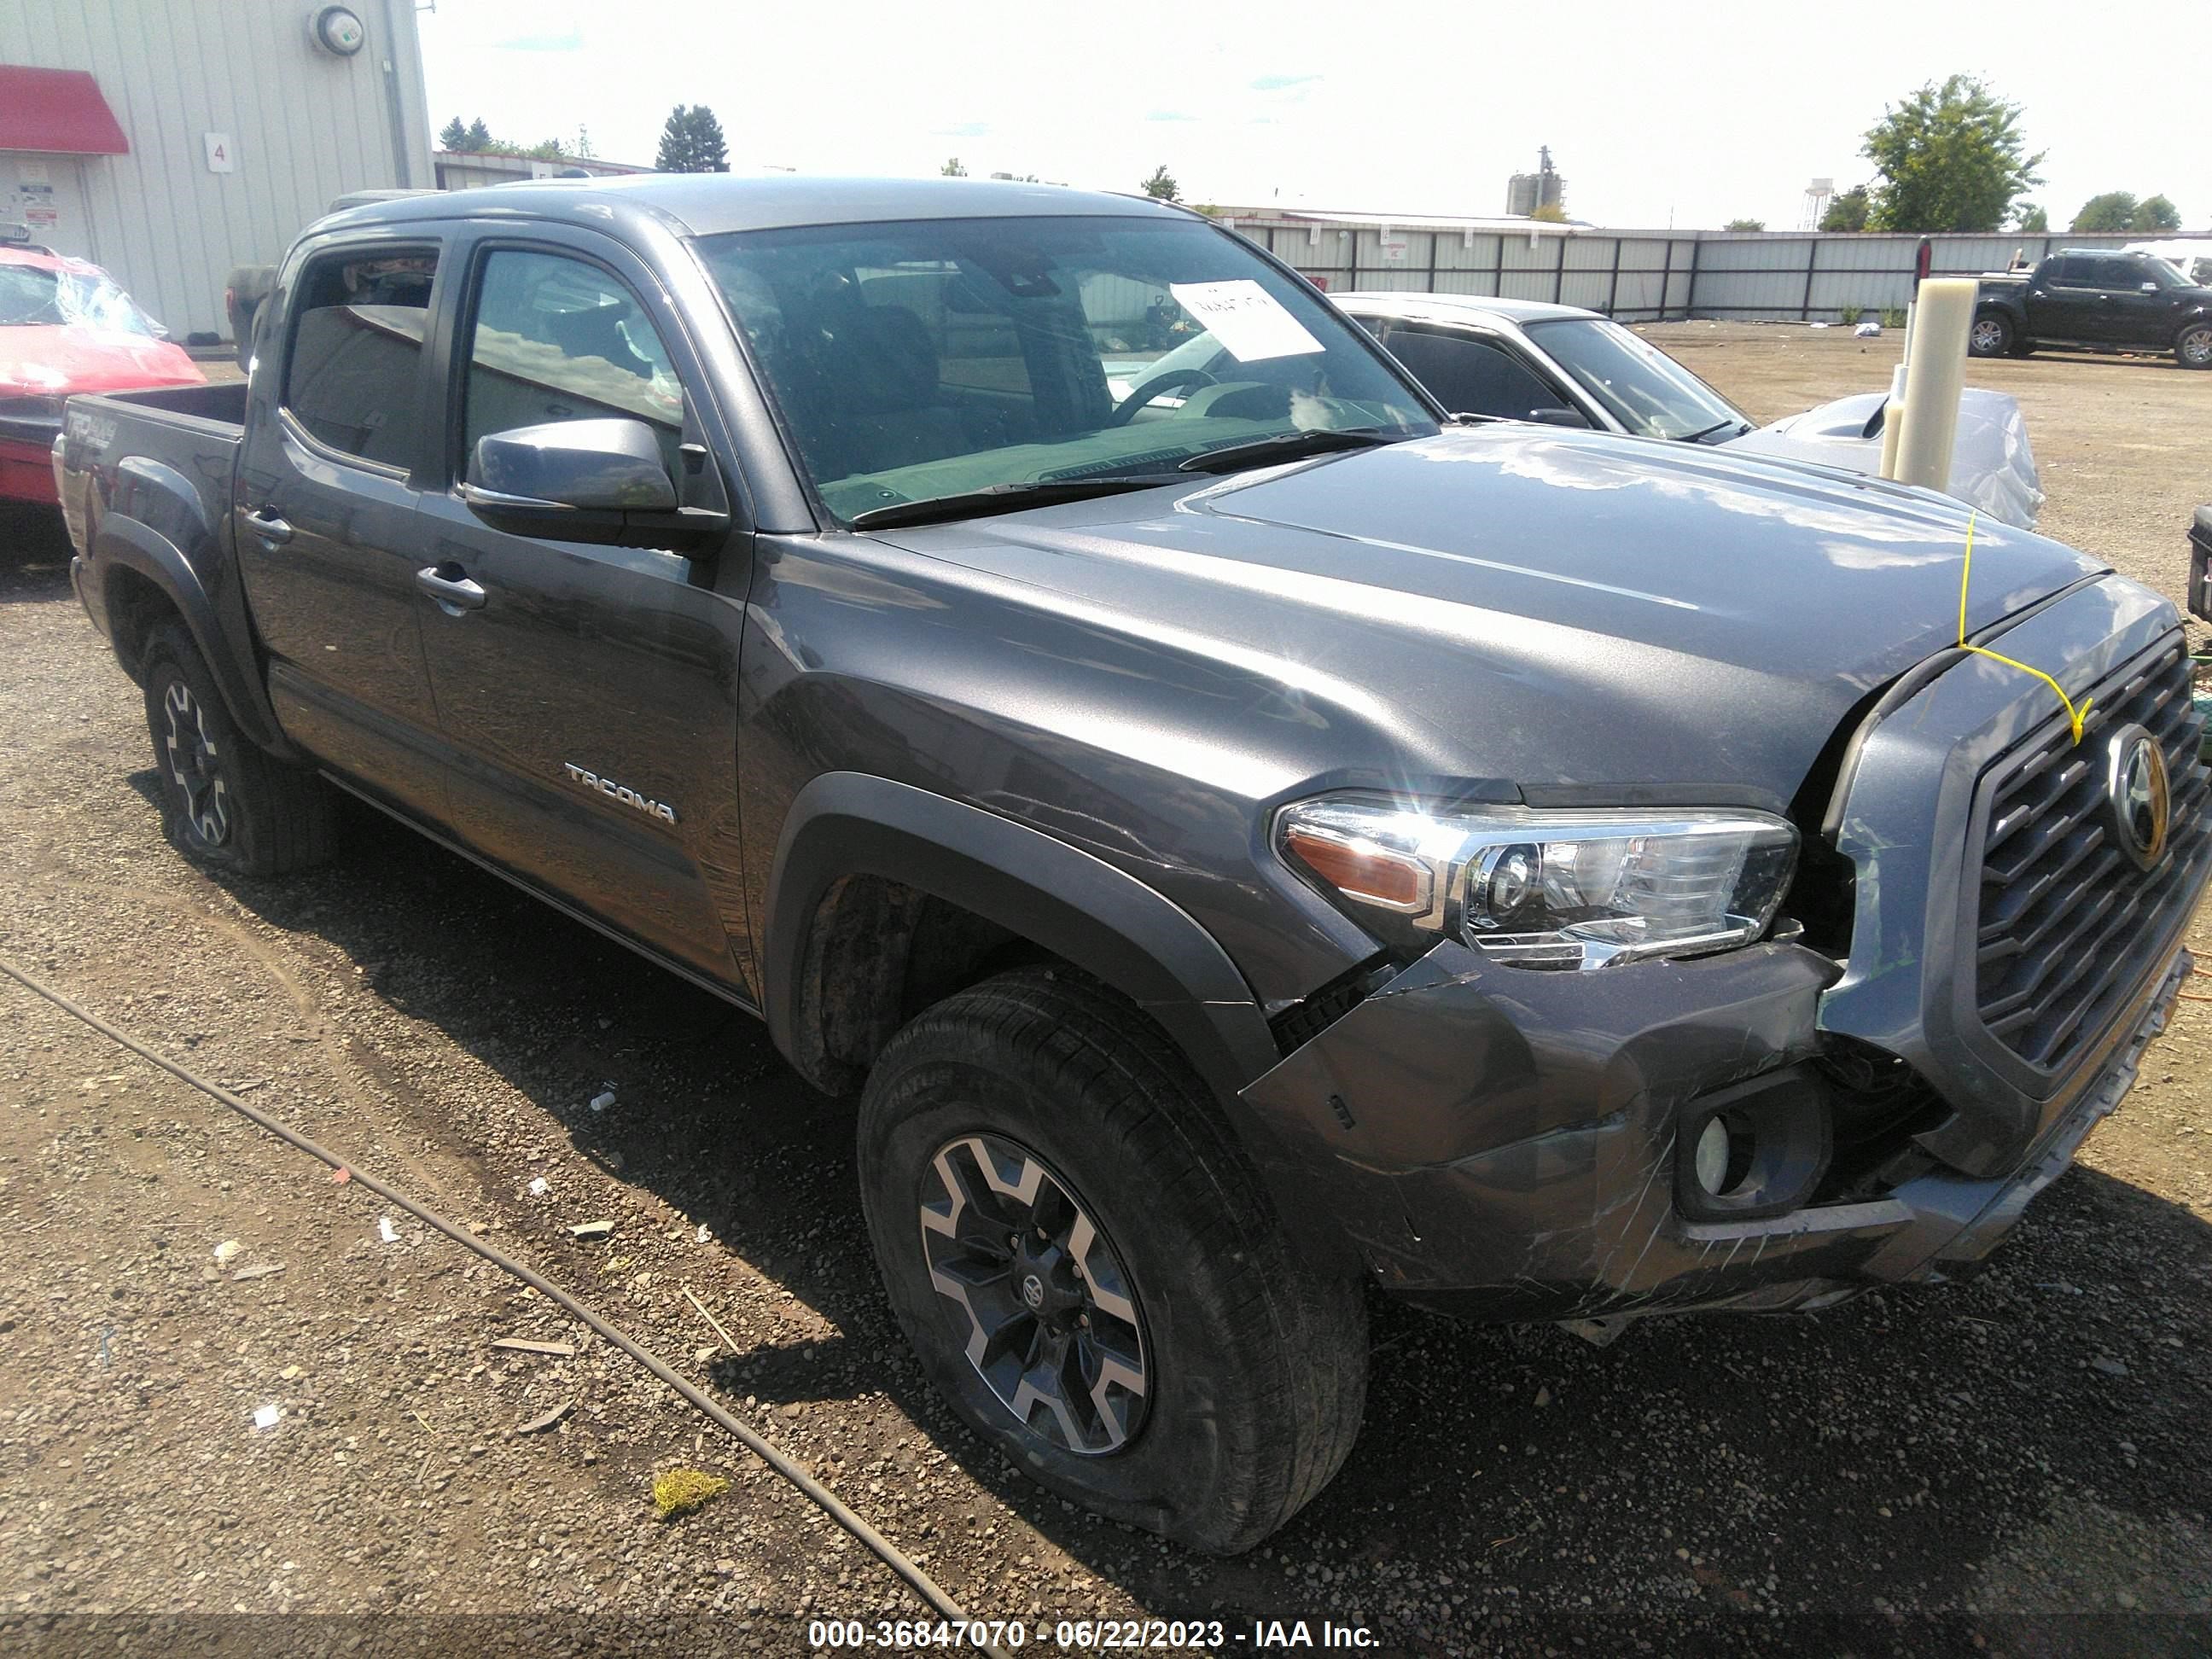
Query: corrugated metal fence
(1642, 275)
(1632, 275)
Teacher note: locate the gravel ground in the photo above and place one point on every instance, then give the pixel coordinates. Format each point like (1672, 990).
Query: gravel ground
(2019, 1463)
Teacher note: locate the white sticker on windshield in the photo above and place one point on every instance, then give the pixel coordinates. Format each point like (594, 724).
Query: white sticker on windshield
(1250, 322)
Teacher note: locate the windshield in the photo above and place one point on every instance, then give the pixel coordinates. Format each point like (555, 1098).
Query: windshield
(36, 296)
(917, 360)
(1647, 390)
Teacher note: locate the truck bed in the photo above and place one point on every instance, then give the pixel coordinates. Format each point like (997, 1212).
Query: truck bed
(197, 406)
(193, 430)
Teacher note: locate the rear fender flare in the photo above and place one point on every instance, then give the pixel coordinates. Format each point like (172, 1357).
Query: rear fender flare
(129, 545)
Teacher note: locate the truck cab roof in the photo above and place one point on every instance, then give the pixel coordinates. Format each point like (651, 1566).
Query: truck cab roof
(710, 204)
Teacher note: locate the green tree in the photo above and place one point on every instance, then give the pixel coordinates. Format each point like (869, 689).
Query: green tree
(584, 142)
(479, 136)
(1745, 224)
(952, 169)
(1948, 158)
(2033, 218)
(454, 135)
(547, 149)
(1847, 211)
(2156, 213)
(1162, 186)
(691, 141)
(1549, 213)
(2114, 209)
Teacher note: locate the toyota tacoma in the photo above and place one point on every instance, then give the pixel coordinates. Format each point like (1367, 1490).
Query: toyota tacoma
(1251, 841)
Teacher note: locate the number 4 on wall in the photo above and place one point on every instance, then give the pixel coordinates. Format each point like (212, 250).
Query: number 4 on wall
(220, 157)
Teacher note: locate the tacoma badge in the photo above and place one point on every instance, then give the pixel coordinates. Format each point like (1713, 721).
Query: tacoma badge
(629, 797)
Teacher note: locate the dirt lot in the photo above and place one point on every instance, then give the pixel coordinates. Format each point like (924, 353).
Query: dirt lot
(2020, 1464)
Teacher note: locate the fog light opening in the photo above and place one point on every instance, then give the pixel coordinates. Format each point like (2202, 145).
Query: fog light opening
(1724, 1155)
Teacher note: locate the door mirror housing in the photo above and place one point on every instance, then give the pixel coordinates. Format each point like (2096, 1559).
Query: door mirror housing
(2150, 287)
(1557, 417)
(583, 481)
(604, 466)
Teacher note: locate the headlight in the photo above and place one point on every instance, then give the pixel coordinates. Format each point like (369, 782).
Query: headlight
(1549, 890)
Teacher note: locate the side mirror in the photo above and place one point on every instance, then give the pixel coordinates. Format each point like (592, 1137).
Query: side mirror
(583, 481)
(603, 466)
(1557, 417)
(2150, 287)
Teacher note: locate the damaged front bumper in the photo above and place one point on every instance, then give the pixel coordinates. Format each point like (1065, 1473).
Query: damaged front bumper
(1521, 1144)
(1505, 1144)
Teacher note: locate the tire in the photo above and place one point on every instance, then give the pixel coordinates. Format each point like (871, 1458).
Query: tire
(225, 804)
(1990, 336)
(2023, 348)
(1250, 1365)
(2192, 348)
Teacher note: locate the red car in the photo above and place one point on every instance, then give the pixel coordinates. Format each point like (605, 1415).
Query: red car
(66, 326)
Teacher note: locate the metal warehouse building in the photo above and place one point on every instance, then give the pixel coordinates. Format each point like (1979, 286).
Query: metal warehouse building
(170, 140)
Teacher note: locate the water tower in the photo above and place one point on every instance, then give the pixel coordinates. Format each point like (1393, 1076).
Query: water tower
(1817, 195)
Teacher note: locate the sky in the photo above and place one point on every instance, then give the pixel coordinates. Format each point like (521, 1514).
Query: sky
(1683, 116)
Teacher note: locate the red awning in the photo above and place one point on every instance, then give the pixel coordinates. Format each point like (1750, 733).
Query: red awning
(57, 110)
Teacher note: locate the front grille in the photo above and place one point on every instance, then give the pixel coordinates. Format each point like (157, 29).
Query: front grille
(2064, 910)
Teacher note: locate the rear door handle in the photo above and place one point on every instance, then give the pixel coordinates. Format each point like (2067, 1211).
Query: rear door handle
(270, 528)
(450, 586)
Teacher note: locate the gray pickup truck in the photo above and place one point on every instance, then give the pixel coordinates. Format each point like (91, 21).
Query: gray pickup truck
(1250, 842)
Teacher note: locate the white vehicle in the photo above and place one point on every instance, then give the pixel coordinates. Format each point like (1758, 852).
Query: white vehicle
(1526, 360)
(2191, 255)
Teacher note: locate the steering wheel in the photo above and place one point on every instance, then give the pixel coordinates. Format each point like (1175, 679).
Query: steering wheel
(1126, 410)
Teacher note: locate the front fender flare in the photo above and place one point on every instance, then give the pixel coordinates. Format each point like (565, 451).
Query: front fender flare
(1096, 917)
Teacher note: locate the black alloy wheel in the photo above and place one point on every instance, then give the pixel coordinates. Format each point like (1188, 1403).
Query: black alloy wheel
(1052, 1325)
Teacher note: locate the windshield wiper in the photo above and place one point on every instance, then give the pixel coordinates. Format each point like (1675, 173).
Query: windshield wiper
(1288, 448)
(1006, 498)
(1708, 431)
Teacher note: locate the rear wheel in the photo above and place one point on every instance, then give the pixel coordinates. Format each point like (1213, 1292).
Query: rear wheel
(225, 804)
(1991, 336)
(2193, 350)
(1091, 1272)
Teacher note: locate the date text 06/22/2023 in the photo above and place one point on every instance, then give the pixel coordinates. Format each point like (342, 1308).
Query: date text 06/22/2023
(1088, 1635)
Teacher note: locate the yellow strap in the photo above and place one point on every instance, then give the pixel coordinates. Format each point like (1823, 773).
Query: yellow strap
(2075, 715)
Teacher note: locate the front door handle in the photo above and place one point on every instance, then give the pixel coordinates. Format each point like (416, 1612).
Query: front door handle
(269, 528)
(450, 586)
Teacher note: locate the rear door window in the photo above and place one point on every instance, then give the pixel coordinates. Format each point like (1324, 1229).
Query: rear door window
(1471, 376)
(353, 378)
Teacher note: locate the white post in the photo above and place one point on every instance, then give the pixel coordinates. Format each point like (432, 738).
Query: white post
(1892, 418)
(1934, 377)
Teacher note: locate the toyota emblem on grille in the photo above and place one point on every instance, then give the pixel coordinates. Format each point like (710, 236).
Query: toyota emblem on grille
(2136, 794)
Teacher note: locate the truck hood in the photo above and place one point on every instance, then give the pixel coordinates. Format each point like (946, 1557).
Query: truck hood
(1558, 614)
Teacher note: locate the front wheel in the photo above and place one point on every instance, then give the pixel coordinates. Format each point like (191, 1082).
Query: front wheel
(225, 803)
(1991, 336)
(1091, 1272)
(2194, 349)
